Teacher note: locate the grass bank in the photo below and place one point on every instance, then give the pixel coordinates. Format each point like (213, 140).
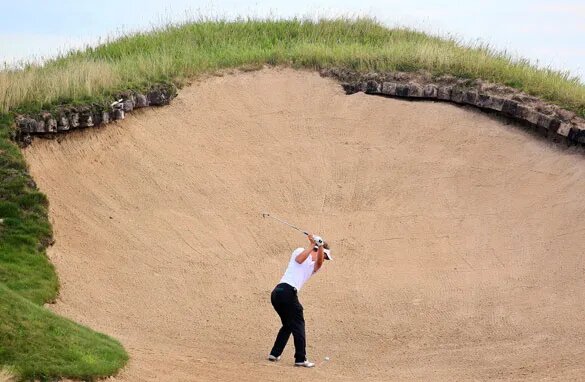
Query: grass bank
(35, 343)
(41, 345)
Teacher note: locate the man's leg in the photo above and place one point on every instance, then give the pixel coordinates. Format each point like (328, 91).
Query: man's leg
(281, 338)
(280, 305)
(297, 326)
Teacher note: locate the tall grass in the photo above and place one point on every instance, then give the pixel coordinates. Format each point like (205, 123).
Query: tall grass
(177, 52)
(75, 79)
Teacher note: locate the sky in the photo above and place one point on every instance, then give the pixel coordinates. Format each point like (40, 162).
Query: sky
(549, 33)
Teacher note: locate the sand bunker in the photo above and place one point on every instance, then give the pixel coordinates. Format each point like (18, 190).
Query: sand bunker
(458, 241)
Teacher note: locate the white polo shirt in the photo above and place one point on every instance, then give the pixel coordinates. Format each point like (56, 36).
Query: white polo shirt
(297, 274)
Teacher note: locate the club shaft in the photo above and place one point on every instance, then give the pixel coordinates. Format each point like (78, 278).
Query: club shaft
(288, 224)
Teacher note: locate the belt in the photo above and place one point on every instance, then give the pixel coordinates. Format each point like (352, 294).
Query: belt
(283, 286)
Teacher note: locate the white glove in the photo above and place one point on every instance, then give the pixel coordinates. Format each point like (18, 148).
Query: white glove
(318, 240)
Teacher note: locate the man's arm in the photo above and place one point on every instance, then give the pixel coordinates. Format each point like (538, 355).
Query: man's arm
(320, 259)
(301, 257)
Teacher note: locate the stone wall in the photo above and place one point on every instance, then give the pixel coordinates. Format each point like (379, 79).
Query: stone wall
(548, 120)
(67, 118)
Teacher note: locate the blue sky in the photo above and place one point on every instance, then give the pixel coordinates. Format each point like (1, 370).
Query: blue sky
(551, 33)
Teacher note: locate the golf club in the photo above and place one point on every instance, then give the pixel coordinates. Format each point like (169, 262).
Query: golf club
(265, 214)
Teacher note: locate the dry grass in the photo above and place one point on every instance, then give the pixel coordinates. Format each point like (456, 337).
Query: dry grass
(45, 85)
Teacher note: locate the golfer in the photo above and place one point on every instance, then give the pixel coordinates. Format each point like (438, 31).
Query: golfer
(302, 265)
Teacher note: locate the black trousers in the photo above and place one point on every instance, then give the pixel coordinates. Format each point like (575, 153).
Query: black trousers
(286, 303)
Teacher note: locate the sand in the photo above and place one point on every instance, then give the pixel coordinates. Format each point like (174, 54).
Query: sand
(458, 240)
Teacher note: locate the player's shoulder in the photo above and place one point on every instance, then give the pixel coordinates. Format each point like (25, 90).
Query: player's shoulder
(297, 251)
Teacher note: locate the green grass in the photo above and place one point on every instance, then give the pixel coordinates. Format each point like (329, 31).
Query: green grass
(180, 52)
(25, 229)
(40, 345)
(34, 343)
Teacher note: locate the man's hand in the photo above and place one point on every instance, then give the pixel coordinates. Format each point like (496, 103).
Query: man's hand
(318, 240)
(320, 258)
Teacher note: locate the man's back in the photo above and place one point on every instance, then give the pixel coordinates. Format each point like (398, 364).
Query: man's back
(296, 275)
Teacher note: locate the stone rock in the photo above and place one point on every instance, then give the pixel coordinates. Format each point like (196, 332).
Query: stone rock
(389, 88)
(26, 125)
(96, 117)
(509, 108)
(26, 140)
(402, 90)
(51, 125)
(86, 119)
(163, 94)
(545, 108)
(105, 117)
(141, 101)
(401, 76)
(372, 87)
(62, 122)
(40, 127)
(347, 87)
(548, 124)
(128, 105)
(470, 97)
(519, 98)
(483, 101)
(524, 98)
(415, 90)
(457, 95)
(430, 91)
(444, 93)
(521, 111)
(565, 115)
(74, 120)
(157, 98)
(33, 125)
(577, 134)
(564, 129)
(529, 114)
(118, 114)
(117, 104)
(496, 103)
